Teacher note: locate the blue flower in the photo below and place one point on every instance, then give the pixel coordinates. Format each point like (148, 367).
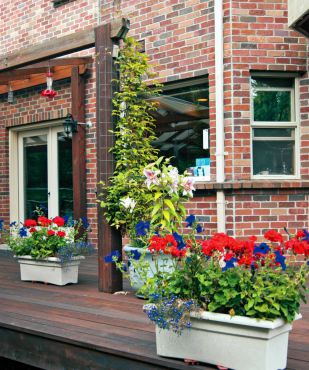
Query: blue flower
(229, 264)
(263, 248)
(85, 222)
(124, 267)
(142, 228)
(199, 228)
(190, 220)
(110, 257)
(135, 254)
(13, 224)
(22, 232)
(1, 224)
(180, 243)
(280, 259)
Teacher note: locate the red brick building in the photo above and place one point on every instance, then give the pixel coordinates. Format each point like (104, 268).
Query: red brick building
(234, 110)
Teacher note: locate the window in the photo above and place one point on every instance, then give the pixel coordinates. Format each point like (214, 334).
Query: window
(61, 2)
(183, 126)
(274, 127)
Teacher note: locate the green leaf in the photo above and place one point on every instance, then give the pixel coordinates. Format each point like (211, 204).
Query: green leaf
(170, 205)
(155, 209)
(166, 215)
(157, 196)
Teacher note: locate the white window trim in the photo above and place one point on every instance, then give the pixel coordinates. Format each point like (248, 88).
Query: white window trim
(294, 124)
(15, 181)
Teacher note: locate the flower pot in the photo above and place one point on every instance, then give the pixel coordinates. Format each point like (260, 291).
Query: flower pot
(49, 270)
(237, 342)
(165, 263)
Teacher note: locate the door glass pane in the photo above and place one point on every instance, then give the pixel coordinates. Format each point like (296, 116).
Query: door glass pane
(65, 175)
(273, 157)
(35, 174)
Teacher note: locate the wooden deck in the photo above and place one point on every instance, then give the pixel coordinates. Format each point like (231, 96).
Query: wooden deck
(76, 327)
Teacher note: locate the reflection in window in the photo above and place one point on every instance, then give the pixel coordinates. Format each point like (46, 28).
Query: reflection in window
(274, 125)
(65, 175)
(182, 126)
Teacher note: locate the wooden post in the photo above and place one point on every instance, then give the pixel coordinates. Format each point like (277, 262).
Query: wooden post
(78, 145)
(109, 239)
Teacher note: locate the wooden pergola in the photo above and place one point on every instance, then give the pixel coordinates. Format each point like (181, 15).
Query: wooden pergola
(27, 67)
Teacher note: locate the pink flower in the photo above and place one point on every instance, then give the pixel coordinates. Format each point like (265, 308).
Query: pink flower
(188, 186)
(151, 177)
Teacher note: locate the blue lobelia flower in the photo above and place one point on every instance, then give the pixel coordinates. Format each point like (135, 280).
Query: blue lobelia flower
(263, 248)
(22, 232)
(199, 228)
(85, 222)
(1, 224)
(13, 223)
(135, 254)
(229, 264)
(142, 228)
(190, 220)
(110, 257)
(180, 243)
(280, 259)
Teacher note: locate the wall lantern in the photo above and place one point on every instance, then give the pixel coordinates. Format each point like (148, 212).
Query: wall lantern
(69, 125)
(120, 29)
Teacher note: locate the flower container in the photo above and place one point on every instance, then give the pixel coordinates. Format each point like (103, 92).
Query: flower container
(49, 270)
(164, 262)
(237, 342)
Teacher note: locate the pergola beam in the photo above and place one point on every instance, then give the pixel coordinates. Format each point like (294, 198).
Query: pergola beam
(48, 49)
(19, 74)
(61, 62)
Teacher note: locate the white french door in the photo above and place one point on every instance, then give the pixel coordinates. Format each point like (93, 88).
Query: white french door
(44, 172)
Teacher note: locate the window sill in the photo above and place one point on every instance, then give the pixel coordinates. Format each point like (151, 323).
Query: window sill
(253, 184)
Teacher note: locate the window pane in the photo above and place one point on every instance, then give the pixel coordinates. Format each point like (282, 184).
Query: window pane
(272, 82)
(35, 174)
(65, 175)
(273, 132)
(184, 142)
(273, 157)
(272, 106)
(182, 117)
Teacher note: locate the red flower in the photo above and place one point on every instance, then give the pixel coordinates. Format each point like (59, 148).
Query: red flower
(156, 244)
(59, 221)
(273, 236)
(300, 234)
(50, 232)
(33, 230)
(61, 234)
(44, 221)
(30, 223)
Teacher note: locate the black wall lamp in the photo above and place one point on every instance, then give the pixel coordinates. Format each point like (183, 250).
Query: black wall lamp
(70, 125)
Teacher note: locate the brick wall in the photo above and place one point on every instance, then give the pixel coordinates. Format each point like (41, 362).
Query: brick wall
(179, 38)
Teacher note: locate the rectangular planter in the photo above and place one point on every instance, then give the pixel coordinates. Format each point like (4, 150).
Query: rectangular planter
(49, 270)
(237, 342)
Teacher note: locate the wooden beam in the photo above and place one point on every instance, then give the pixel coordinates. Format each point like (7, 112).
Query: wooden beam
(59, 74)
(61, 62)
(48, 49)
(109, 239)
(78, 145)
(20, 74)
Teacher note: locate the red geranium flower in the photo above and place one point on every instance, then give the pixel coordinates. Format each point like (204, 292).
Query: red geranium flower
(50, 232)
(30, 223)
(273, 236)
(59, 221)
(61, 234)
(300, 234)
(33, 230)
(44, 221)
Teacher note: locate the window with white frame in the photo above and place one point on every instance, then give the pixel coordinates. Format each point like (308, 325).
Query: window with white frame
(274, 127)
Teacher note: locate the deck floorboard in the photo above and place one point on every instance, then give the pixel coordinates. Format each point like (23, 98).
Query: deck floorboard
(88, 329)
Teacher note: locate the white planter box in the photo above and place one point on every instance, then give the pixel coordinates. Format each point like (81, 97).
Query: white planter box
(165, 263)
(49, 270)
(237, 342)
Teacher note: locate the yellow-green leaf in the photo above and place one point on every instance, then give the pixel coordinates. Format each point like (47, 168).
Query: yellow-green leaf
(166, 215)
(169, 204)
(157, 196)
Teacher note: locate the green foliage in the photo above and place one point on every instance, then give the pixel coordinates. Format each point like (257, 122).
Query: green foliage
(134, 133)
(169, 191)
